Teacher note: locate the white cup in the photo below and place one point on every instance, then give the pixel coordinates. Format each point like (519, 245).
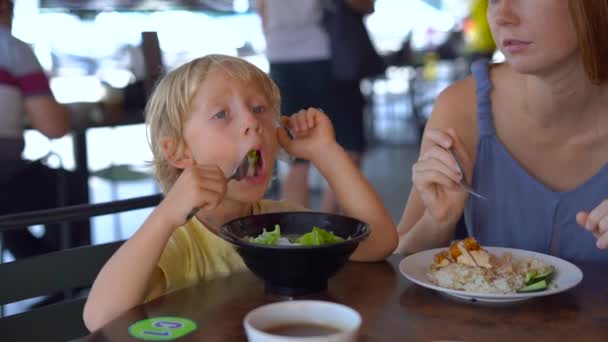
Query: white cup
(340, 317)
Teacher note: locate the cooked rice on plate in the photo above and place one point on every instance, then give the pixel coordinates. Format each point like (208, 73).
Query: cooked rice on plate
(466, 266)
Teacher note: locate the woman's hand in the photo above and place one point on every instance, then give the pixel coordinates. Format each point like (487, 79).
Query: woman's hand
(596, 222)
(436, 176)
(313, 131)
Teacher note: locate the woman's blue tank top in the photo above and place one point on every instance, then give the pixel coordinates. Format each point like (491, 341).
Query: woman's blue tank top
(522, 212)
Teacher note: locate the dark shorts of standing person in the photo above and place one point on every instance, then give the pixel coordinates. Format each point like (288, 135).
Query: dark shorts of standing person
(310, 84)
(303, 84)
(348, 115)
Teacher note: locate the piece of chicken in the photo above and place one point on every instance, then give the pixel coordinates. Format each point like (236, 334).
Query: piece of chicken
(471, 244)
(442, 259)
(469, 252)
(455, 251)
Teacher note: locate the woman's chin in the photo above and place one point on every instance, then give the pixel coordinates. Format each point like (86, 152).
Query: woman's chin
(527, 65)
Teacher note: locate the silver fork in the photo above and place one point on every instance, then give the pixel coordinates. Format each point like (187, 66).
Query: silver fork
(282, 154)
(241, 170)
(463, 180)
(289, 132)
(239, 173)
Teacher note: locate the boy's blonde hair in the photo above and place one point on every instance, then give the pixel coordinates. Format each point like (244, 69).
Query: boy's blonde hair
(169, 104)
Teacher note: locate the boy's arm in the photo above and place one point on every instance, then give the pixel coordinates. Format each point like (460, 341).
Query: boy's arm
(359, 200)
(134, 265)
(315, 141)
(134, 269)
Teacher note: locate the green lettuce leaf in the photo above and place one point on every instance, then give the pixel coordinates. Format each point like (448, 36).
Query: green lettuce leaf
(318, 237)
(253, 158)
(267, 237)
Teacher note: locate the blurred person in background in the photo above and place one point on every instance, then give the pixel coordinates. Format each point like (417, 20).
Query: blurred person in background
(353, 58)
(478, 36)
(26, 99)
(297, 47)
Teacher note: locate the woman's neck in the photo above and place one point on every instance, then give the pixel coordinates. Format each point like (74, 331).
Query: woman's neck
(563, 98)
(228, 210)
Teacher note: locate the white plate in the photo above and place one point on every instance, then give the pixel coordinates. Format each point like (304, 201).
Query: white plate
(566, 276)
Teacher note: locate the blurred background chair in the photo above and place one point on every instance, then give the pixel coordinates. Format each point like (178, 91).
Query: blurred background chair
(65, 270)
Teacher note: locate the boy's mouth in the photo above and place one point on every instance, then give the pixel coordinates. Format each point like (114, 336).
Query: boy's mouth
(256, 163)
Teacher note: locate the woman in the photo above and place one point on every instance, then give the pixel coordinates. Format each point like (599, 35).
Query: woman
(531, 135)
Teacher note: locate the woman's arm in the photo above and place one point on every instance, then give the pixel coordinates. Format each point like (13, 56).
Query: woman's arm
(455, 109)
(47, 115)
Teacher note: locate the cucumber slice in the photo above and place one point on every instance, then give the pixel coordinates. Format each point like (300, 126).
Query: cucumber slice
(530, 276)
(538, 286)
(538, 275)
(544, 272)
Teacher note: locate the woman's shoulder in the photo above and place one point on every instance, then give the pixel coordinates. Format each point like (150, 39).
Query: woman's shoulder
(457, 105)
(456, 108)
(462, 94)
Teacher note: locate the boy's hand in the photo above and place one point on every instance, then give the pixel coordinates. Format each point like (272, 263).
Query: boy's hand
(202, 186)
(312, 129)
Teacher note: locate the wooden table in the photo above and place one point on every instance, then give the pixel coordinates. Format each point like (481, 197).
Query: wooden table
(393, 309)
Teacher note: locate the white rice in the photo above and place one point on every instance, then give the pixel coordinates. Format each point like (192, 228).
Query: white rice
(507, 275)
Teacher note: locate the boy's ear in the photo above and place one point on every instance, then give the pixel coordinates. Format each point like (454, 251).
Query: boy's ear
(178, 160)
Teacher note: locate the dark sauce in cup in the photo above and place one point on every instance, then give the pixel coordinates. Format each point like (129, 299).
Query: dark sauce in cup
(301, 329)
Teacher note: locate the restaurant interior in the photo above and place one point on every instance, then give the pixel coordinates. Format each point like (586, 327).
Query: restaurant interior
(103, 58)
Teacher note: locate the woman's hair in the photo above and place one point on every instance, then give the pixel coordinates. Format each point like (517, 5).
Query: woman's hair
(169, 104)
(590, 19)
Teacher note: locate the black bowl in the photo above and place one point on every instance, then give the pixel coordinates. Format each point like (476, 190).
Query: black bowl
(295, 270)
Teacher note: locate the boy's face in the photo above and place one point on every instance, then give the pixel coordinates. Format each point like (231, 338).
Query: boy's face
(228, 118)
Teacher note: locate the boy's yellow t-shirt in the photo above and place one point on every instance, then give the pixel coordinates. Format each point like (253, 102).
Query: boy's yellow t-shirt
(195, 253)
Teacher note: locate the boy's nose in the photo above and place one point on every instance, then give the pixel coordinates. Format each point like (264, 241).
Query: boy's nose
(251, 123)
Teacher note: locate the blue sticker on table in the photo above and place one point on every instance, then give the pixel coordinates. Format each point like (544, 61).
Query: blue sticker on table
(164, 328)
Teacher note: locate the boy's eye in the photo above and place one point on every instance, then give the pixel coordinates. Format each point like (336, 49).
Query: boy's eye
(220, 115)
(259, 109)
